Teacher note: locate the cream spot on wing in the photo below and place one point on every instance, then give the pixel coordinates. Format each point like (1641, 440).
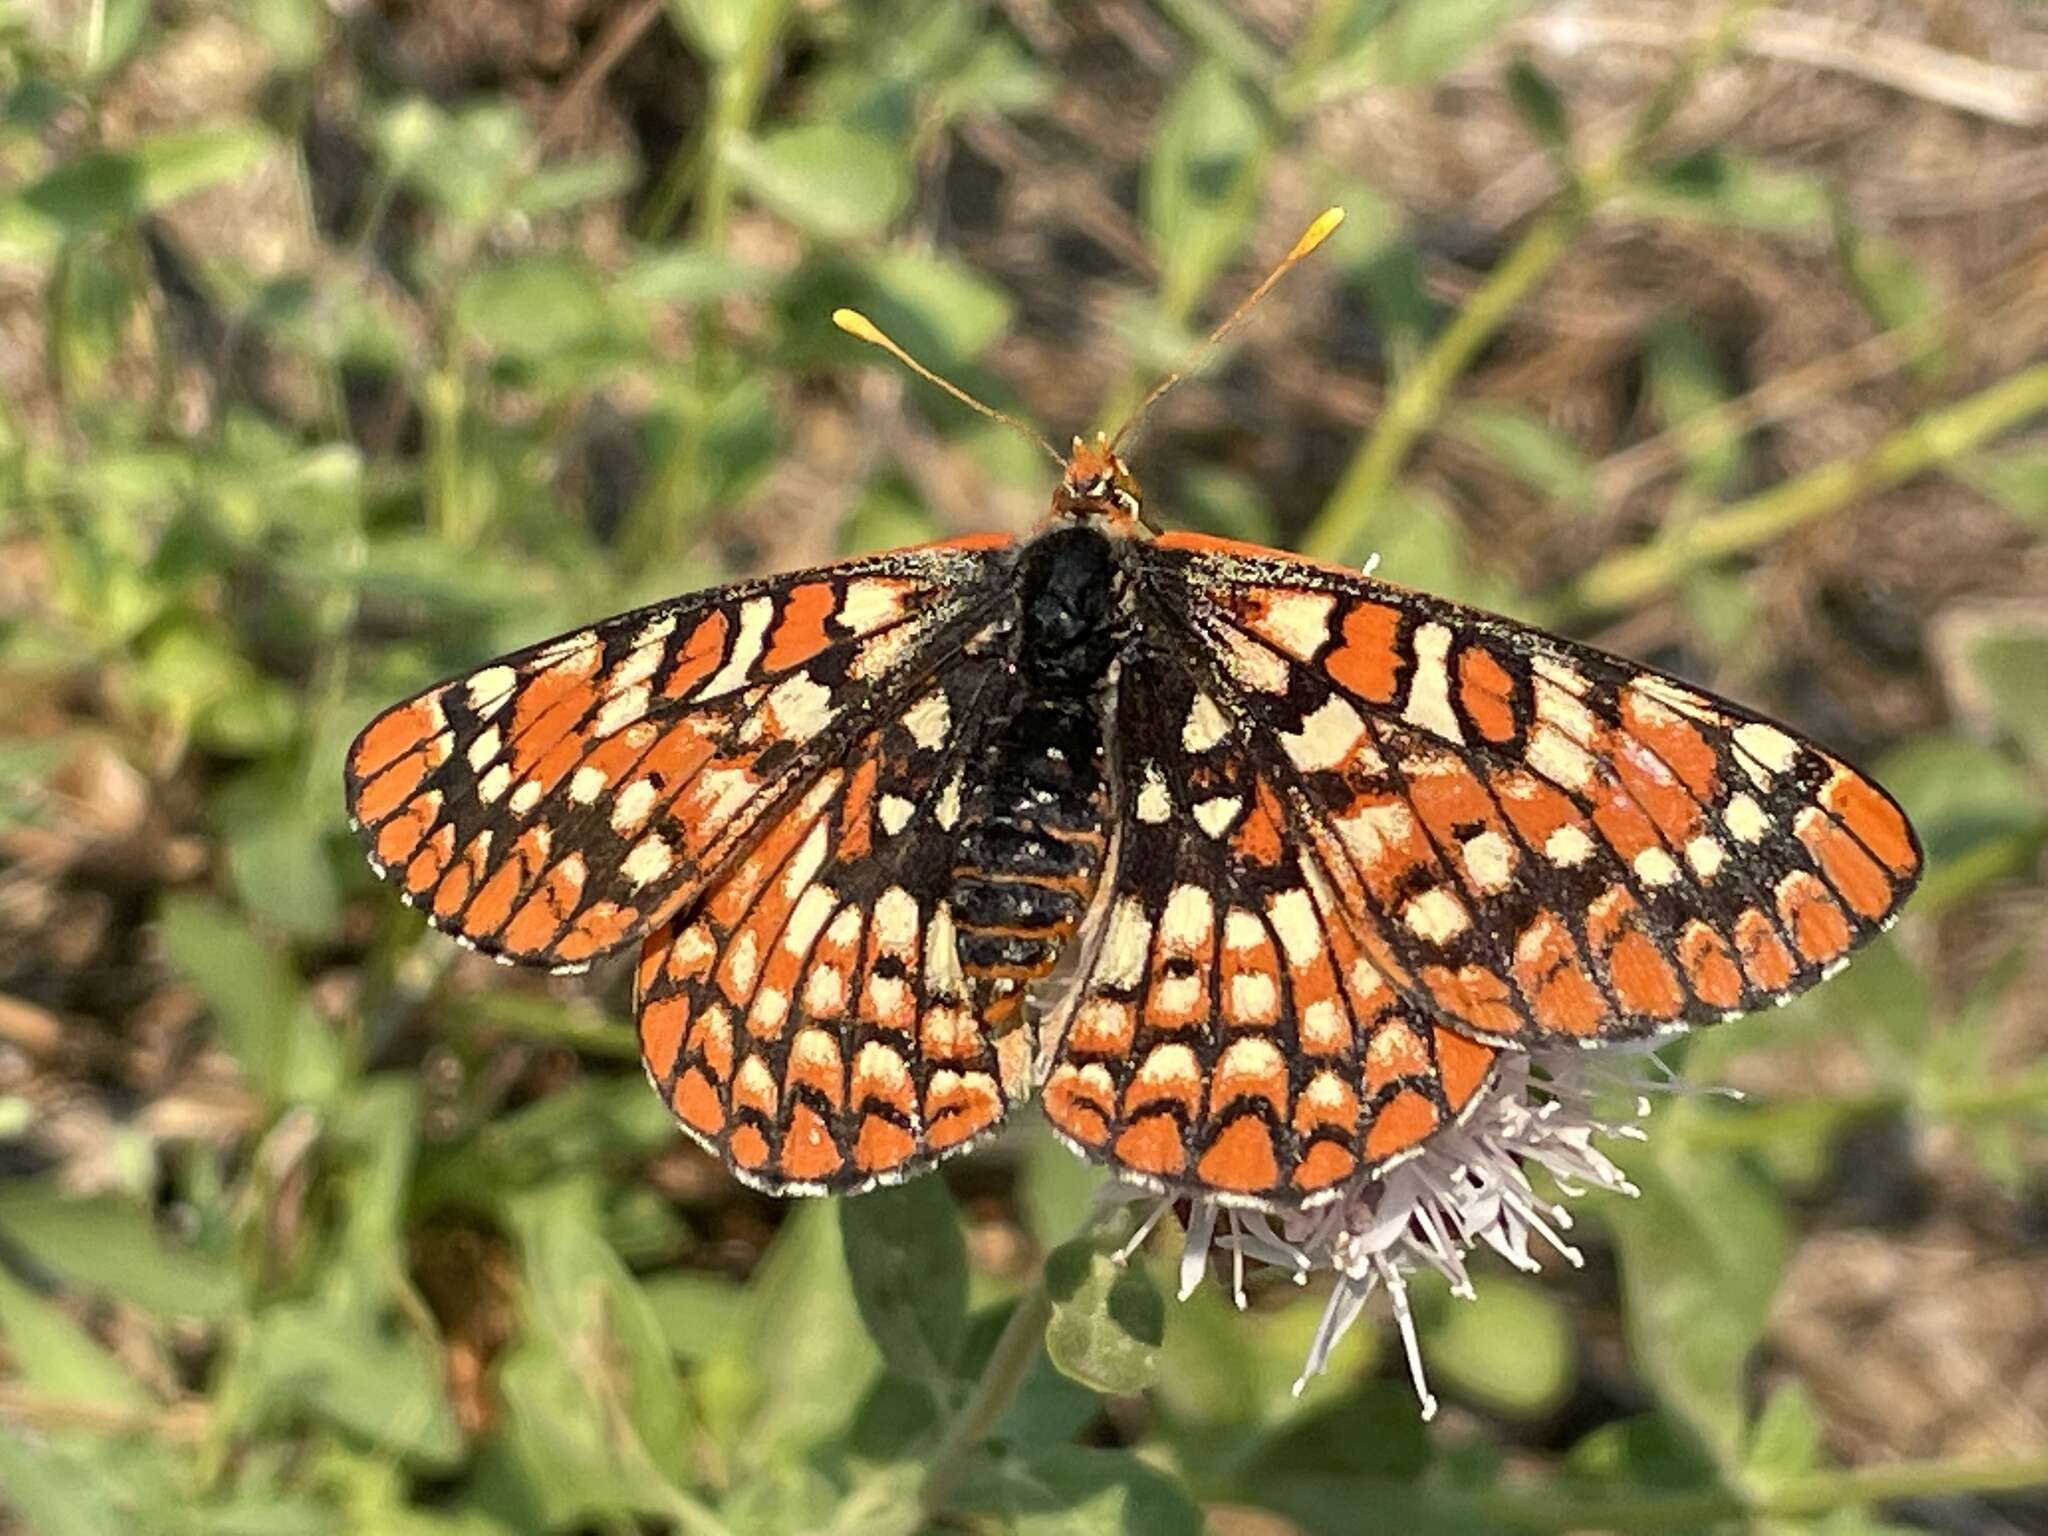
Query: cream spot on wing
(631, 805)
(802, 707)
(1155, 803)
(896, 813)
(1429, 689)
(1215, 816)
(1705, 855)
(896, 918)
(1294, 919)
(810, 858)
(1684, 700)
(1322, 1027)
(525, 797)
(771, 1008)
(1746, 819)
(942, 974)
(1326, 1090)
(883, 1067)
(1252, 665)
(483, 749)
(586, 784)
(621, 710)
(1124, 944)
(1489, 861)
(1559, 759)
(1171, 1063)
(1369, 833)
(1188, 919)
(693, 948)
(652, 633)
(870, 603)
(929, 719)
(753, 1082)
(824, 992)
(718, 793)
(1766, 745)
(1297, 622)
(1254, 998)
(1653, 866)
(648, 859)
(755, 615)
(490, 690)
(1326, 738)
(947, 812)
(578, 653)
(1205, 725)
(880, 654)
(1242, 930)
(1435, 916)
(806, 918)
(1568, 847)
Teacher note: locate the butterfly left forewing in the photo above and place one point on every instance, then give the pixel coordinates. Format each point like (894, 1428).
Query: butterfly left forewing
(556, 803)
(1553, 842)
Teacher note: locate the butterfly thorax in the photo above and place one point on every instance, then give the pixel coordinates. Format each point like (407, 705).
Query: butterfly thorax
(1031, 833)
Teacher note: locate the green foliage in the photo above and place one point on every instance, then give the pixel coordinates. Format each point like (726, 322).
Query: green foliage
(355, 1237)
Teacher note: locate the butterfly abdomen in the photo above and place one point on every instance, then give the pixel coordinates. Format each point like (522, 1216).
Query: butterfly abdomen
(1031, 838)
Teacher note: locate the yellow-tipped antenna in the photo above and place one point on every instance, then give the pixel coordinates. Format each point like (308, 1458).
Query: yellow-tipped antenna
(1324, 226)
(854, 323)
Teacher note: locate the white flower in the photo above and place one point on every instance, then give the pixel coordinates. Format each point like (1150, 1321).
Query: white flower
(1466, 1188)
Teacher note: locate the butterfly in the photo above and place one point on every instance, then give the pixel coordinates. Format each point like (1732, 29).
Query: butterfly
(1250, 868)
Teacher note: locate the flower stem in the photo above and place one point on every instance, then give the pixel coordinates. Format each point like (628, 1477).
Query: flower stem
(1814, 1493)
(997, 1387)
(1419, 397)
(1936, 438)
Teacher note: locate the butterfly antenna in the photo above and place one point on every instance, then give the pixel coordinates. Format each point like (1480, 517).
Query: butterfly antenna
(854, 323)
(1324, 226)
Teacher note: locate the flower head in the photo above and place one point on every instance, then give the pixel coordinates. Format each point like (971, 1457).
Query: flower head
(1468, 1187)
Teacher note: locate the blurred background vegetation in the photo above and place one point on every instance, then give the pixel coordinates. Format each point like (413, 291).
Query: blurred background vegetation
(343, 345)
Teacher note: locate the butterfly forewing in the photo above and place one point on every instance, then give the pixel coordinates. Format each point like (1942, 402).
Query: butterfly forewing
(554, 804)
(1541, 840)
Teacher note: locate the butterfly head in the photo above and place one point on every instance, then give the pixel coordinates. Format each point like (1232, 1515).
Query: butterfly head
(1098, 484)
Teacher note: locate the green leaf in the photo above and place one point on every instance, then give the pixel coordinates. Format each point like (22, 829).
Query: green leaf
(56, 1491)
(1686, 380)
(718, 29)
(258, 1004)
(1201, 183)
(596, 1409)
(829, 181)
(886, 517)
(808, 1379)
(1718, 186)
(1410, 44)
(281, 868)
(1701, 1251)
(1108, 1319)
(339, 1363)
(2015, 478)
(957, 312)
(54, 1357)
(1525, 446)
(534, 308)
(908, 1266)
(2010, 665)
(1960, 794)
(105, 1243)
(106, 189)
(1508, 1347)
(1073, 1490)
(1786, 1441)
(1539, 104)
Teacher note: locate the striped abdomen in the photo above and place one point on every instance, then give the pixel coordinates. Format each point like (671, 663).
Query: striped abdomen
(1031, 838)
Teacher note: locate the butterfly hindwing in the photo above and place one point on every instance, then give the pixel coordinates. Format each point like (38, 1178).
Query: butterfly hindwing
(1546, 841)
(554, 804)
(809, 1019)
(1227, 1032)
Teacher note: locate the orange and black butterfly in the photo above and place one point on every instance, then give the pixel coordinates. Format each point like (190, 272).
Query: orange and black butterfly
(1310, 850)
